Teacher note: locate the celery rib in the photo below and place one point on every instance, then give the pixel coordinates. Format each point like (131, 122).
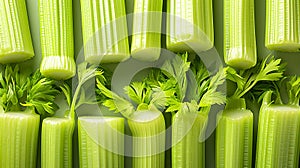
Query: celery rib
(18, 139)
(188, 149)
(278, 137)
(234, 134)
(239, 33)
(190, 25)
(283, 25)
(104, 29)
(15, 37)
(56, 35)
(101, 142)
(148, 129)
(56, 146)
(146, 31)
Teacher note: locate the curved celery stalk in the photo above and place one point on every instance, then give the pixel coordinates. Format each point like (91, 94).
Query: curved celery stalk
(239, 33)
(190, 25)
(234, 135)
(56, 34)
(15, 38)
(147, 128)
(189, 149)
(146, 31)
(104, 29)
(101, 142)
(18, 139)
(56, 143)
(278, 135)
(283, 25)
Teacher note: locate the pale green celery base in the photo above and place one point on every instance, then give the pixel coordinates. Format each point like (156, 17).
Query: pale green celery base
(241, 57)
(18, 139)
(101, 142)
(15, 56)
(148, 139)
(187, 137)
(56, 145)
(190, 45)
(146, 54)
(284, 46)
(58, 67)
(234, 136)
(278, 137)
(107, 58)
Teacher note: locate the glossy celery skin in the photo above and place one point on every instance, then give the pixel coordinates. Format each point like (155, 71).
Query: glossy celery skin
(109, 150)
(146, 31)
(188, 148)
(56, 146)
(239, 33)
(190, 25)
(278, 137)
(56, 35)
(148, 139)
(104, 29)
(15, 37)
(234, 136)
(283, 25)
(18, 139)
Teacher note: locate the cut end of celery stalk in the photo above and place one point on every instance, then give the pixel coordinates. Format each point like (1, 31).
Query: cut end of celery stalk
(191, 45)
(285, 47)
(146, 54)
(101, 141)
(58, 67)
(18, 139)
(241, 57)
(15, 57)
(107, 58)
(56, 145)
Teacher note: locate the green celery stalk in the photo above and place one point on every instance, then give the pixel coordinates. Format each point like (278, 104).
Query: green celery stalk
(101, 141)
(56, 35)
(147, 128)
(190, 25)
(234, 134)
(283, 25)
(56, 143)
(104, 30)
(18, 139)
(239, 33)
(188, 146)
(146, 31)
(15, 37)
(278, 135)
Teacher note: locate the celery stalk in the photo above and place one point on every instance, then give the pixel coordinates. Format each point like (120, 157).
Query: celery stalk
(283, 25)
(146, 31)
(18, 139)
(104, 29)
(234, 135)
(56, 35)
(278, 135)
(188, 146)
(56, 143)
(190, 25)
(15, 38)
(101, 141)
(147, 128)
(239, 33)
